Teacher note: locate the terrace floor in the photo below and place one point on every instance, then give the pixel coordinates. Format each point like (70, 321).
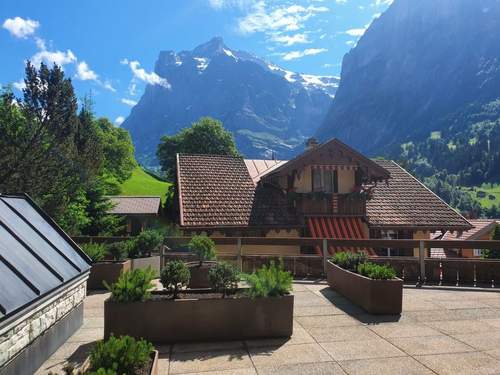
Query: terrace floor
(440, 331)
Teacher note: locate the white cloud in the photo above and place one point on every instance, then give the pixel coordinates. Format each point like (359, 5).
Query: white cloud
(382, 2)
(290, 40)
(355, 32)
(20, 27)
(141, 74)
(129, 102)
(84, 73)
(221, 4)
(264, 19)
(351, 43)
(60, 58)
(299, 54)
(19, 85)
(132, 89)
(119, 120)
(107, 85)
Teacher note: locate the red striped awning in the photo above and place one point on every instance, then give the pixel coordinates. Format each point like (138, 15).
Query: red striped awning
(337, 228)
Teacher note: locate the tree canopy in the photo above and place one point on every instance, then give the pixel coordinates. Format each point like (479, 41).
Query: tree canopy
(206, 136)
(64, 158)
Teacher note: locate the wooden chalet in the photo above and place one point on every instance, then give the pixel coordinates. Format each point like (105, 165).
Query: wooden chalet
(329, 191)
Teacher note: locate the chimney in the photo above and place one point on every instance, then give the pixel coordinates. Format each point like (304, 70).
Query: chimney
(311, 143)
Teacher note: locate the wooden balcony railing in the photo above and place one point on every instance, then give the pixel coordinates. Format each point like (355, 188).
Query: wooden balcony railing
(330, 204)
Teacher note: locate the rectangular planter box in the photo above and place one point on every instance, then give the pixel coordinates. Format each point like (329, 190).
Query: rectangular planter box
(190, 320)
(374, 296)
(106, 271)
(143, 263)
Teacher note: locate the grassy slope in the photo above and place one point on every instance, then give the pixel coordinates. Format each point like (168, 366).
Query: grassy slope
(141, 183)
(489, 190)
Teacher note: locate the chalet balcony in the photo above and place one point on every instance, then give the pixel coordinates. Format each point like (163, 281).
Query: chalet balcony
(319, 203)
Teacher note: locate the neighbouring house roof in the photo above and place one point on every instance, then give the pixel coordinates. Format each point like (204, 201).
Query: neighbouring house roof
(37, 258)
(135, 205)
(220, 191)
(405, 202)
(258, 168)
(481, 227)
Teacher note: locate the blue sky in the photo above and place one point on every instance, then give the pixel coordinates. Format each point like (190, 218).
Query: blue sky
(109, 47)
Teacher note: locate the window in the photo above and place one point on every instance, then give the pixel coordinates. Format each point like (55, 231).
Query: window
(478, 252)
(325, 180)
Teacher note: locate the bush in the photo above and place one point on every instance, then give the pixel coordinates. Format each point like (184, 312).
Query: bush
(202, 246)
(272, 281)
(174, 276)
(349, 260)
(123, 355)
(132, 286)
(119, 250)
(224, 278)
(377, 272)
(95, 251)
(145, 243)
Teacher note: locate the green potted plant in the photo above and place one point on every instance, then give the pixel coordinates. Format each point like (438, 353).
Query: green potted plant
(373, 287)
(204, 248)
(264, 309)
(145, 250)
(108, 261)
(123, 355)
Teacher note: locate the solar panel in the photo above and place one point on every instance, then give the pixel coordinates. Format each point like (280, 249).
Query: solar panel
(35, 257)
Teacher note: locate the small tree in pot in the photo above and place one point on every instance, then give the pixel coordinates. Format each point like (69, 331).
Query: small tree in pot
(175, 276)
(204, 247)
(224, 278)
(145, 243)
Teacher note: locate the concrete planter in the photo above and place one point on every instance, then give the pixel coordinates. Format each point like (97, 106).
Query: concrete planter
(166, 321)
(374, 296)
(106, 271)
(199, 274)
(154, 367)
(143, 263)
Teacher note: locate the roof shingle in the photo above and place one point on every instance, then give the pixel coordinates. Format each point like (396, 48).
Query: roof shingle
(135, 205)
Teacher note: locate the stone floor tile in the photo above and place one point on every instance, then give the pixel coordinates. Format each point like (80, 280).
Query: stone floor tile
(451, 315)
(299, 336)
(361, 349)
(461, 326)
(493, 302)
(87, 335)
(371, 319)
(417, 304)
(207, 346)
(482, 341)
(462, 304)
(288, 354)
(299, 288)
(326, 321)
(73, 350)
(93, 313)
(317, 310)
(236, 371)
(322, 368)
(93, 322)
(341, 333)
(309, 299)
(163, 363)
(388, 330)
(209, 361)
(461, 363)
(425, 345)
(387, 366)
(495, 323)
(494, 353)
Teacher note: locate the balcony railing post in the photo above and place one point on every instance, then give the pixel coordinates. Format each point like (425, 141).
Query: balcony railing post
(421, 258)
(325, 251)
(240, 255)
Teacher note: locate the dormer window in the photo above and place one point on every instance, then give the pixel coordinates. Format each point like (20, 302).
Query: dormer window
(325, 180)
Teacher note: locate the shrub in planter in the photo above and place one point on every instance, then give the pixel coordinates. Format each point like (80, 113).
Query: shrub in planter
(123, 355)
(224, 278)
(202, 246)
(272, 281)
(145, 243)
(96, 251)
(174, 276)
(118, 250)
(349, 260)
(376, 272)
(132, 286)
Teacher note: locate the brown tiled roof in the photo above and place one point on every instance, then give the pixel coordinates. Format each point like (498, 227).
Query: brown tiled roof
(406, 202)
(258, 168)
(481, 227)
(214, 191)
(135, 205)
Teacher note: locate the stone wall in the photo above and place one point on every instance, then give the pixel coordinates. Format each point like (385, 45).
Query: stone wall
(20, 333)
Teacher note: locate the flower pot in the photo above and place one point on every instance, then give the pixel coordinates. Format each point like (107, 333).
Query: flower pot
(108, 271)
(374, 296)
(199, 274)
(166, 321)
(143, 263)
